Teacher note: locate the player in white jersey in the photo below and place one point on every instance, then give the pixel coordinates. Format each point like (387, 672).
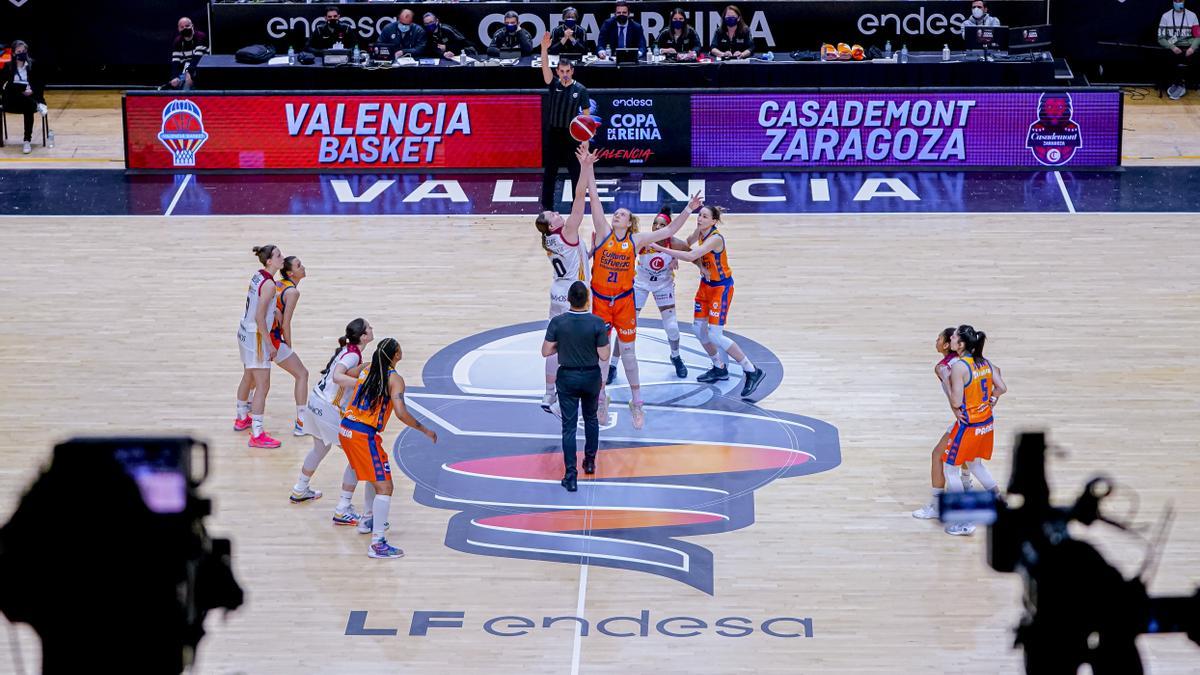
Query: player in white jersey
(323, 418)
(656, 276)
(254, 340)
(568, 258)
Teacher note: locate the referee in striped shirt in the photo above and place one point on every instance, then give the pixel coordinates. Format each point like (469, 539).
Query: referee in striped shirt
(565, 99)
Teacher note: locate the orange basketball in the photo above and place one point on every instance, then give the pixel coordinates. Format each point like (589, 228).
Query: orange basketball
(584, 127)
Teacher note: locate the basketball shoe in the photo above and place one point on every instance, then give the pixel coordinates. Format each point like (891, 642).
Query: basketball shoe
(263, 441)
(242, 424)
(382, 549)
(307, 495)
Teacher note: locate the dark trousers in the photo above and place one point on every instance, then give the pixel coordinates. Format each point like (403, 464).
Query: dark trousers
(17, 102)
(558, 150)
(575, 388)
(1175, 68)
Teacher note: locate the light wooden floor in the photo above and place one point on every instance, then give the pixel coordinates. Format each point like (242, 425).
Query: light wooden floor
(88, 126)
(1093, 318)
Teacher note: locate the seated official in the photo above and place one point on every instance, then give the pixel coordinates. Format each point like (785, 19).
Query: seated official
(620, 31)
(444, 40)
(566, 36)
(23, 90)
(1177, 33)
(333, 34)
(510, 38)
(980, 16)
(678, 40)
(404, 37)
(190, 44)
(732, 40)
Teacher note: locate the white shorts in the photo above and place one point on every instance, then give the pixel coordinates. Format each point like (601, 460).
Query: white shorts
(282, 353)
(254, 348)
(664, 295)
(558, 297)
(322, 419)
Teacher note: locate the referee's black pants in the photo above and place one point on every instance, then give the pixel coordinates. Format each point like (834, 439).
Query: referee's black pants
(578, 386)
(558, 150)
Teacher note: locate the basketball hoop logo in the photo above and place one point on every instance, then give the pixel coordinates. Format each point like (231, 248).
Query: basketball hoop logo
(182, 131)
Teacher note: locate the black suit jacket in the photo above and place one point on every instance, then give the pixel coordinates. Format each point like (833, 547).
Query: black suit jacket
(634, 35)
(411, 42)
(35, 80)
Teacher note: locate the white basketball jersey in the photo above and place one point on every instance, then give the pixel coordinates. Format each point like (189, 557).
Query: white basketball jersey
(329, 390)
(252, 299)
(567, 262)
(654, 269)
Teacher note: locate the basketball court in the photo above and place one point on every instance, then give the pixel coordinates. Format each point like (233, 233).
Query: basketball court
(724, 537)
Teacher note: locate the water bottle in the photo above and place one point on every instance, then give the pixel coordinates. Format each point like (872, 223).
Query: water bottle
(904, 54)
(291, 56)
(945, 52)
(887, 50)
(50, 138)
(657, 53)
(770, 56)
(356, 58)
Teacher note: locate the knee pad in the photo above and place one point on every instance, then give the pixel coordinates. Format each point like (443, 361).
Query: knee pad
(670, 324)
(717, 334)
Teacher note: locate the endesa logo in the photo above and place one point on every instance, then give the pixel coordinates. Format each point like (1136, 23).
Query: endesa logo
(691, 471)
(915, 23)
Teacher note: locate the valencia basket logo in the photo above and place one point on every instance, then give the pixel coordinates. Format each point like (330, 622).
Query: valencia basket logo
(691, 471)
(182, 131)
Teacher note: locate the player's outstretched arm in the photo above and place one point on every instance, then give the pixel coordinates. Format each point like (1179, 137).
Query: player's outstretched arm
(396, 392)
(599, 220)
(643, 238)
(587, 175)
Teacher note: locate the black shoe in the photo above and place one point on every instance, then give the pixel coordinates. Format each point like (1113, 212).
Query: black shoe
(568, 482)
(713, 374)
(752, 381)
(589, 465)
(680, 369)
(612, 374)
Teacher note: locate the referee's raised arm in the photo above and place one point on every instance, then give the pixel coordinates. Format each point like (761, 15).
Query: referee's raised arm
(546, 74)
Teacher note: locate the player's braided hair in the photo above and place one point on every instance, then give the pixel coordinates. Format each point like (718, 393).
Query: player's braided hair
(376, 384)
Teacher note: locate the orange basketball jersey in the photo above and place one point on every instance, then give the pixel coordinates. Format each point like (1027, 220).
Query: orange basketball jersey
(614, 264)
(281, 287)
(377, 415)
(714, 265)
(977, 392)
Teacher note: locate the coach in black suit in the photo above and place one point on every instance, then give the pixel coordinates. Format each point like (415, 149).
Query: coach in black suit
(620, 31)
(580, 339)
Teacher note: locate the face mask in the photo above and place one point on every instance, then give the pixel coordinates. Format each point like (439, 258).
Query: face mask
(1178, 6)
(510, 27)
(677, 25)
(431, 27)
(22, 57)
(404, 27)
(622, 19)
(731, 21)
(569, 23)
(186, 32)
(977, 12)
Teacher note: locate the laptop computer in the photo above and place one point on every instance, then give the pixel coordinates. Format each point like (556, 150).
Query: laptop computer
(626, 55)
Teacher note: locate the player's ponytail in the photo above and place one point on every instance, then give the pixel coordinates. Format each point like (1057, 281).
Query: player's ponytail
(375, 386)
(354, 332)
(264, 253)
(973, 341)
(542, 224)
(977, 346)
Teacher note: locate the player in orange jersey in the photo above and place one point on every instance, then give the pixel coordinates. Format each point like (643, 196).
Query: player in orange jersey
(379, 393)
(614, 265)
(568, 258)
(942, 371)
(713, 299)
(975, 386)
(254, 342)
(287, 296)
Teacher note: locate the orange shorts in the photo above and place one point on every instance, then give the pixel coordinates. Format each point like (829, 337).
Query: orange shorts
(969, 442)
(617, 313)
(364, 450)
(713, 302)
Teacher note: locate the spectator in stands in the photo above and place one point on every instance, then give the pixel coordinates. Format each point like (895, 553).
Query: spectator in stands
(566, 36)
(732, 40)
(190, 45)
(444, 40)
(980, 16)
(404, 37)
(679, 40)
(23, 90)
(510, 38)
(333, 34)
(1177, 33)
(620, 31)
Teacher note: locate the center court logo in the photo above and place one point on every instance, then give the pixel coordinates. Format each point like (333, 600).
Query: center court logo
(691, 471)
(182, 131)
